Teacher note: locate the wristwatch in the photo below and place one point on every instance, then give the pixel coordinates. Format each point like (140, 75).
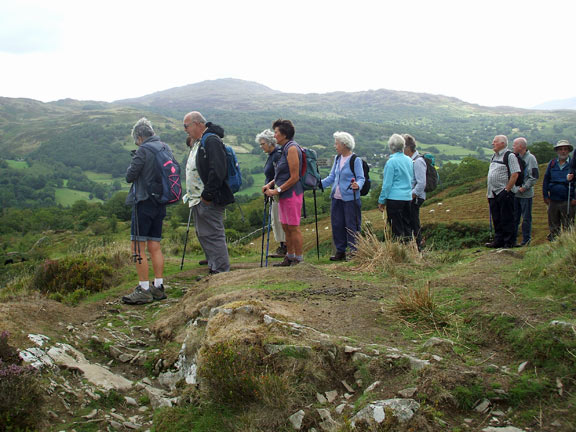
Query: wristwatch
(278, 189)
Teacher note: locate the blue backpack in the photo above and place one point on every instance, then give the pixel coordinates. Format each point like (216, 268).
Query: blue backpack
(167, 188)
(233, 175)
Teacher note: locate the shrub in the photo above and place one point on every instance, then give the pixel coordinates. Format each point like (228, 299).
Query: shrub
(20, 395)
(455, 236)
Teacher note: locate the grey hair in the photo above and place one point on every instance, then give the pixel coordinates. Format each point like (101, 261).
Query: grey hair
(196, 117)
(502, 138)
(522, 141)
(396, 143)
(142, 129)
(345, 139)
(266, 135)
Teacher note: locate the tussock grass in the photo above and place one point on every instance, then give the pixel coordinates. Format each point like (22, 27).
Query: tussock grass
(418, 304)
(373, 255)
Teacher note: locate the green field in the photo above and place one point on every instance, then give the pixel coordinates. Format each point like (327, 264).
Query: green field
(67, 197)
(449, 150)
(17, 164)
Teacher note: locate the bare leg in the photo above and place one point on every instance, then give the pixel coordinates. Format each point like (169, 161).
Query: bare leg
(141, 265)
(157, 258)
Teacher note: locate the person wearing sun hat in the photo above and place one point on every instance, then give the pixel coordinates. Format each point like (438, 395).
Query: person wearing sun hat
(558, 191)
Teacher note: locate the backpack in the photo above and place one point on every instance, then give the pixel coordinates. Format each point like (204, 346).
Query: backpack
(310, 178)
(167, 189)
(520, 179)
(233, 174)
(432, 176)
(367, 182)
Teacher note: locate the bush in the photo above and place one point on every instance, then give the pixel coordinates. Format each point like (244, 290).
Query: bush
(455, 235)
(20, 395)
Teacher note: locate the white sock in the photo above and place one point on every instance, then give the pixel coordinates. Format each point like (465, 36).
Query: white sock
(158, 282)
(145, 285)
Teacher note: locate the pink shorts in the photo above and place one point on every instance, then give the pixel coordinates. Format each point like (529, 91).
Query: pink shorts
(290, 209)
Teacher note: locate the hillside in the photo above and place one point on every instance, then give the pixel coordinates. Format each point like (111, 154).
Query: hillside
(457, 339)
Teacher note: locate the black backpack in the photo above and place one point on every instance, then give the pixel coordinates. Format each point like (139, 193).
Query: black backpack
(432, 176)
(367, 182)
(521, 163)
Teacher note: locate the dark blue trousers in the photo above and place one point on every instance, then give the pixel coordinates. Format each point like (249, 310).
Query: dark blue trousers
(346, 222)
(523, 211)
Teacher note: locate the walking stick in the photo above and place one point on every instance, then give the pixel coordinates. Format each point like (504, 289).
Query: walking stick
(136, 256)
(269, 223)
(316, 218)
(263, 227)
(186, 238)
(568, 202)
(490, 216)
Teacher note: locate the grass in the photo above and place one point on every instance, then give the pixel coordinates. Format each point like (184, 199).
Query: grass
(205, 418)
(66, 197)
(17, 164)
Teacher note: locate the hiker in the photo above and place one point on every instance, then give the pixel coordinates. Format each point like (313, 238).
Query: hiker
(525, 193)
(147, 215)
(207, 192)
(287, 187)
(345, 210)
(418, 186)
(502, 175)
(396, 193)
(268, 145)
(558, 191)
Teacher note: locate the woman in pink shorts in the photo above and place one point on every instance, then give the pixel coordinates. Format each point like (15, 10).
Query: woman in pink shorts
(287, 185)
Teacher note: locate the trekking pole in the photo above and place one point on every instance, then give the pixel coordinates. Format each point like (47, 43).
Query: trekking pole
(241, 212)
(186, 238)
(269, 223)
(136, 256)
(263, 228)
(490, 217)
(568, 202)
(355, 207)
(316, 218)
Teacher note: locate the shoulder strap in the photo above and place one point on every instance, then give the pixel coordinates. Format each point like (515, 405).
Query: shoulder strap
(205, 137)
(352, 161)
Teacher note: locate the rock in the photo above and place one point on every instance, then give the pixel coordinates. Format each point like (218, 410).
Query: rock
(502, 429)
(71, 358)
(130, 401)
(158, 398)
(371, 387)
(130, 425)
(561, 323)
(350, 350)
(416, 363)
(36, 357)
(436, 341)
(498, 413)
(294, 350)
(347, 386)
(482, 406)
(169, 379)
(522, 366)
(125, 358)
(374, 412)
(91, 415)
(331, 396)
(38, 339)
(360, 357)
(407, 392)
(115, 425)
(117, 417)
(328, 424)
(215, 311)
(340, 408)
(321, 399)
(296, 419)
(347, 396)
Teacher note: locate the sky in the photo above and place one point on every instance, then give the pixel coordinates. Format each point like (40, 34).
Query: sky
(505, 52)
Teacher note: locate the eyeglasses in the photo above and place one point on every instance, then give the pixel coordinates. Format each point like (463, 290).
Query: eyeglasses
(186, 126)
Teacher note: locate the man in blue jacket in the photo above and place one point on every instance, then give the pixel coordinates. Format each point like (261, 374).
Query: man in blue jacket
(558, 192)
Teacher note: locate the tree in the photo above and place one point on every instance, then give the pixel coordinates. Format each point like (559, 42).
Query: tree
(543, 151)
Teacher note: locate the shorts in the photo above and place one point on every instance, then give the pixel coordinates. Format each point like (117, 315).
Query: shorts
(290, 209)
(150, 219)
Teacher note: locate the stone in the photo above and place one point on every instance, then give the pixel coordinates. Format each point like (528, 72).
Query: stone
(403, 410)
(347, 396)
(482, 406)
(130, 425)
(296, 419)
(115, 425)
(215, 311)
(522, 366)
(407, 392)
(360, 357)
(37, 358)
(328, 424)
(436, 341)
(371, 387)
(125, 358)
(130, 401)
(321, 399)
(331, 396)
(347, 386)
(416, 363)
(169, 379)
(561, 323)
(69, 357)
(117, 417)
(158, 398)
(38, 339)
(502, 429)
(340, 408)
(350, 350)
(91, 415)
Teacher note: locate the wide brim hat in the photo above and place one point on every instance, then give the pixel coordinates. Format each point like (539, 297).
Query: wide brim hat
(563, 143)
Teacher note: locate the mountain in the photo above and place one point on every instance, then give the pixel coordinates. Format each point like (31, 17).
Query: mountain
(559, 104)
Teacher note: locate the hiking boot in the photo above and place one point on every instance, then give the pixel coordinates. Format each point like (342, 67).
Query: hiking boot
(138, 297)
(203, 262)
(280, 252)
(157, 292)
(338, 256)
(295, 262)
(202, 277)
(494, 245)
(286, 263)
(525, 243)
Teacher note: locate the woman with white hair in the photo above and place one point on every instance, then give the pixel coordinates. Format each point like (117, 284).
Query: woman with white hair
(346, 178)
(396, 193)
(269, 146)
